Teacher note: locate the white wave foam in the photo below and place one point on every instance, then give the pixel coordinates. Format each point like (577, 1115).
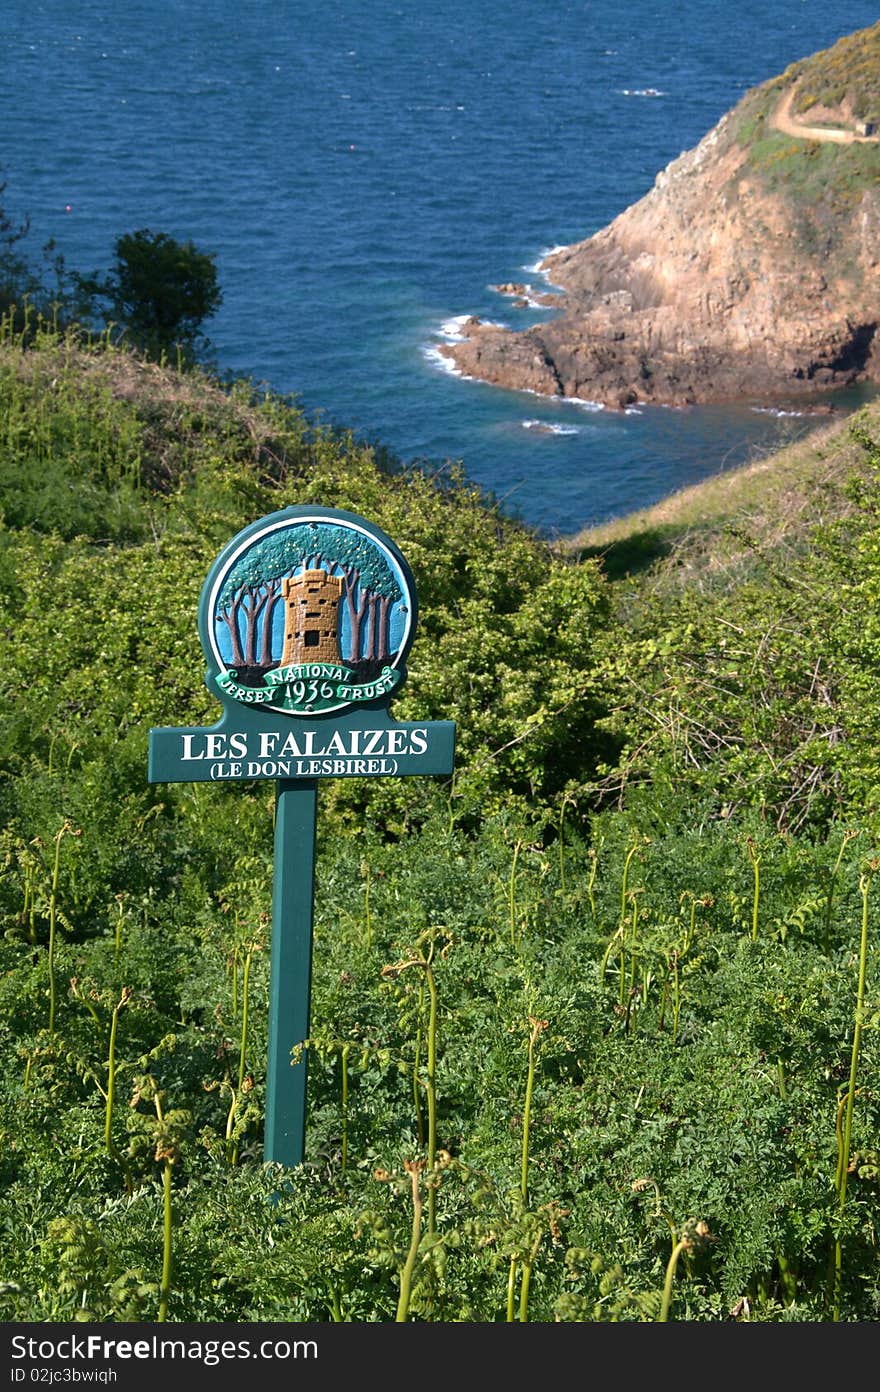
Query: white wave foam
(641, 92)
(586, 403)
(536, 269)
(528, 298)
(550, 427)
(438, 359)
(450, 329)
(776, 411)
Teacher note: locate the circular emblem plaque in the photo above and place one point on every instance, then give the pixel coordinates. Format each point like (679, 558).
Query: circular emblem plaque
(307, 611)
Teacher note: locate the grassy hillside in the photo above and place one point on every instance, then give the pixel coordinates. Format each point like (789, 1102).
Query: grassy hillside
(593, 1022)
(776, 498)
(752, 595)
(845, 77)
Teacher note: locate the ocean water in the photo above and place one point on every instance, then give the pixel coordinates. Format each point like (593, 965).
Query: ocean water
(366, 172)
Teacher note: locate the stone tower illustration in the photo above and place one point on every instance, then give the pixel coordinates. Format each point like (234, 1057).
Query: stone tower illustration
(311, 617)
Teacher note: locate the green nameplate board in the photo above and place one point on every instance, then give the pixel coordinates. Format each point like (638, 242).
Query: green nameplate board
(353, 746)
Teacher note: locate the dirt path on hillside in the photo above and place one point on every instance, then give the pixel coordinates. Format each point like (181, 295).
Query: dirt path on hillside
(782, 120)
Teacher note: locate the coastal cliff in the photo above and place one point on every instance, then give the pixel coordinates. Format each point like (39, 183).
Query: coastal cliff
(751, 269)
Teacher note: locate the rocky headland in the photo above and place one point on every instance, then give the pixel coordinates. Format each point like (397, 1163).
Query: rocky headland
(751, 269)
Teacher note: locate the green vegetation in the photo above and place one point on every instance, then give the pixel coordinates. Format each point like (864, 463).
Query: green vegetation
(822, 182)
(845, 76)
(159, 290)
(834, 176)
(594, 1023)
(156, 297)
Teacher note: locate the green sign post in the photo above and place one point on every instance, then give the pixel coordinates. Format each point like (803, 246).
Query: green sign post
(305, 620)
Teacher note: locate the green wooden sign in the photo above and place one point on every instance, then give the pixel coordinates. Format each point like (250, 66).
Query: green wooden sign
(306, 619)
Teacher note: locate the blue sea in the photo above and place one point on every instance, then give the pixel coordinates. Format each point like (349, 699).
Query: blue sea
(365, 172)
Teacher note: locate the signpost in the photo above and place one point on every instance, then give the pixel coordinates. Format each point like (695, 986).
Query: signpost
(306, 619)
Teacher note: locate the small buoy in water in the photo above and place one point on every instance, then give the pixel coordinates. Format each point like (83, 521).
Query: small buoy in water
(67, 207)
